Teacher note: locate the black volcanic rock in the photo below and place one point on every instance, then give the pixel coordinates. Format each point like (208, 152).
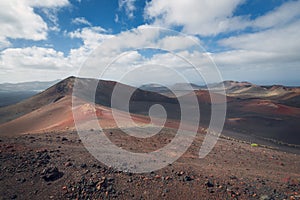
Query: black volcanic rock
(51, 174)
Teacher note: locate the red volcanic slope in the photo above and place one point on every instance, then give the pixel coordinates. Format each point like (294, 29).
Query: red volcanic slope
(58, 116)
(267, 107)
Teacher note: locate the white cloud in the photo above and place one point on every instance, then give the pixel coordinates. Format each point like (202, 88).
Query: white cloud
(280, 44)
(178, 42)
(116, 18)
(99, 42)
(197, 17)
(106, 48)
(208, 18)
(46, 3)
(130, 58)
(273, 49)
(272, 54)
(51, 15)
(280, 16)
(81, 20)
(33, 58)
(19, 21)
(4, 42)
(34, 63)
(90, 35)
(129, 7)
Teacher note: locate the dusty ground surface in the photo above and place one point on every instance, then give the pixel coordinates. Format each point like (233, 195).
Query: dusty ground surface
(57, 166)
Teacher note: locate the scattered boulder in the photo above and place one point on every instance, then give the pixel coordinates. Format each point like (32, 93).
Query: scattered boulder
(51, 174)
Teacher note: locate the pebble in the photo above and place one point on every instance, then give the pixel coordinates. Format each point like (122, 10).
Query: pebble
(68, 164)
(209, 184)
(264, 197)
(83, 165)
(188, 178)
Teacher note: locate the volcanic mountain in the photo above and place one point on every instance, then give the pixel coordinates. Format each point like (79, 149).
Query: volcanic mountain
(43, 157)
(264, 112)
(52, 108)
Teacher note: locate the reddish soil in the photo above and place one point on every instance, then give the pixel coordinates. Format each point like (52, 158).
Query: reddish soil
(55, 165)
(269, 107)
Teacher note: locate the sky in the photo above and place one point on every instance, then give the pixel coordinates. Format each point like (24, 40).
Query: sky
(243, 40)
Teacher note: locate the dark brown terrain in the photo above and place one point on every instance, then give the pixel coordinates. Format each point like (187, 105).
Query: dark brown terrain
(42, 156)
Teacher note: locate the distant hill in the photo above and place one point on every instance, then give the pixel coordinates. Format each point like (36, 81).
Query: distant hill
(12, 93)
(26, 86)
(244, 90)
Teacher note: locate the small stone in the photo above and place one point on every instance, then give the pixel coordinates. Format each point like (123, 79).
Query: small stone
(68, 164)
(64, 139)
(264, 197)
(99, 185)
(21, 180)
(157, 176)
(83, 165)
(209, 184)
(110, 179)
(188, 178)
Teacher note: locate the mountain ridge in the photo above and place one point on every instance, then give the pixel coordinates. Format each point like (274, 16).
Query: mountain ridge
(248, 112)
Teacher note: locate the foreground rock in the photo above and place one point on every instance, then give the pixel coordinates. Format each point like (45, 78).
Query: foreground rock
(51, 174)
(41, 167)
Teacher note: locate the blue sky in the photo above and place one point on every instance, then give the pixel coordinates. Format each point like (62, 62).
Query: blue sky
(248, 40)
